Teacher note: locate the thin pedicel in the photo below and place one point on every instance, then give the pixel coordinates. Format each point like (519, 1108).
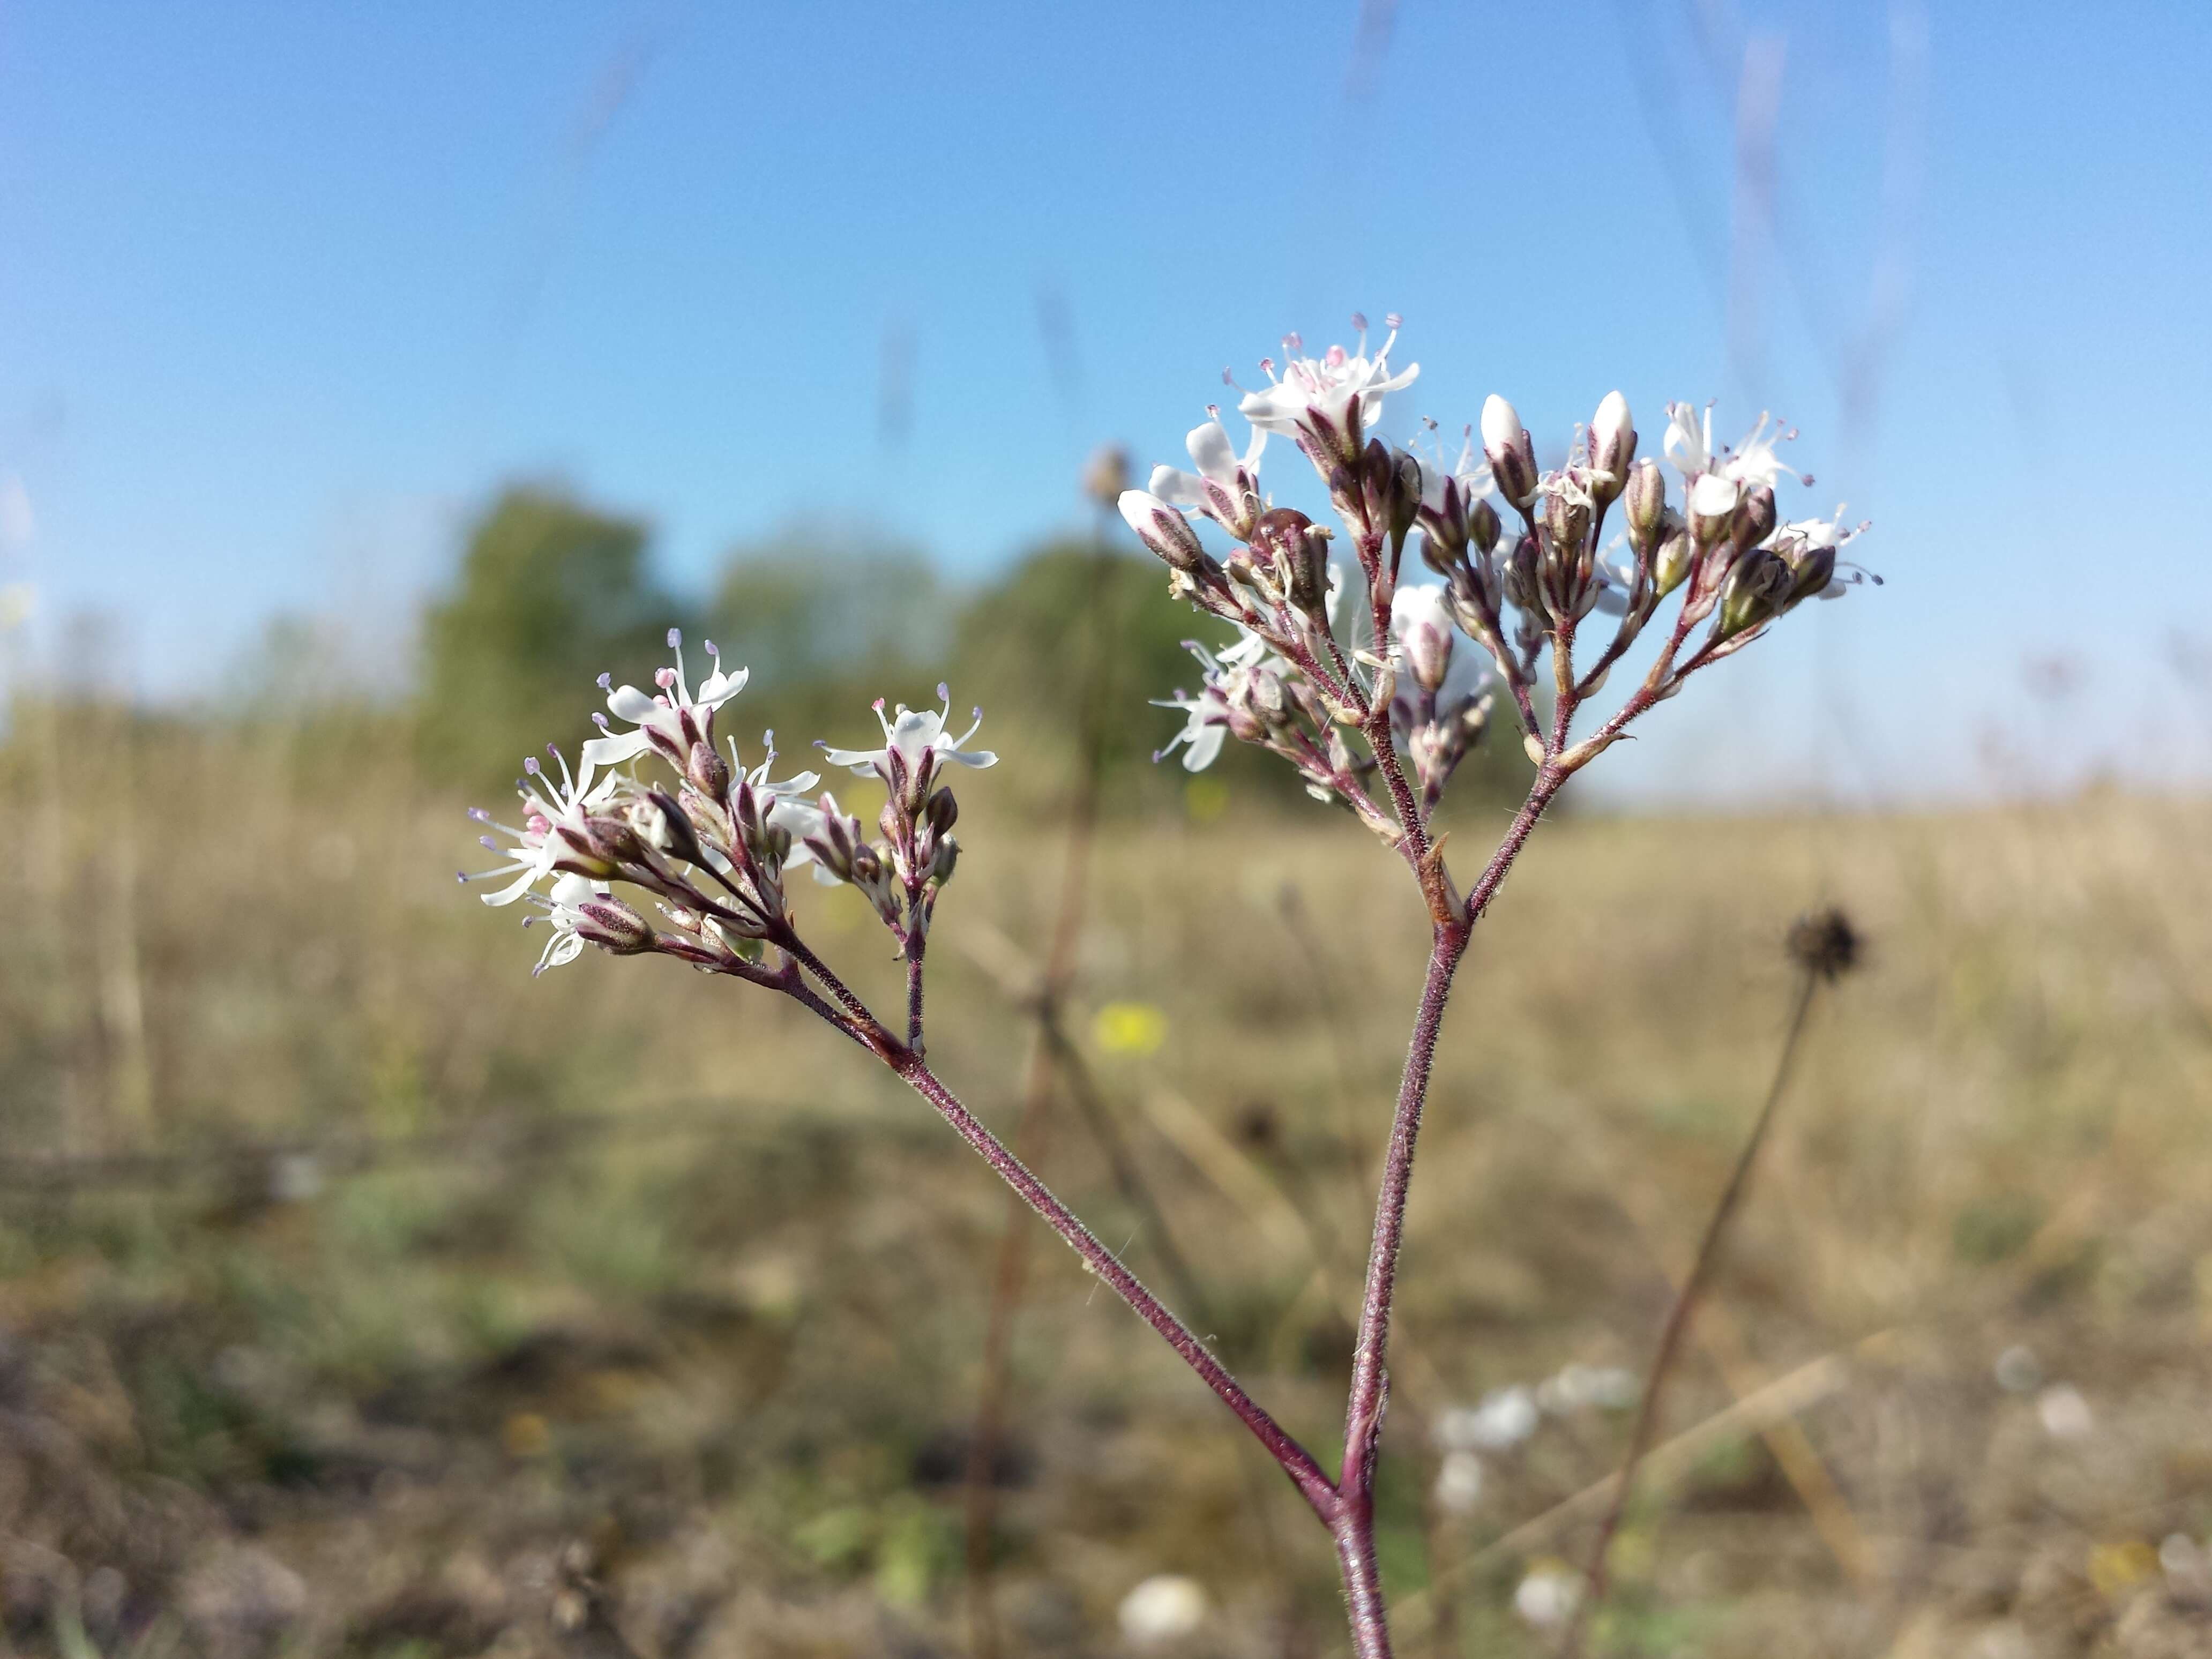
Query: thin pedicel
(1372, 680)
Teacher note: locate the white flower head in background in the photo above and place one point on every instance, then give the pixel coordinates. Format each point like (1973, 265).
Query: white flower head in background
(1328, 403)
(1581, 1387)
(2065, 1413)
(1505, 1417)
(1162, 1608)
(1459, 1482)
(1546, 1599)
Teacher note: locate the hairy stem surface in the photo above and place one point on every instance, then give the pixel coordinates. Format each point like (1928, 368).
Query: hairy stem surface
(1296, 1461)
(1354, 1525)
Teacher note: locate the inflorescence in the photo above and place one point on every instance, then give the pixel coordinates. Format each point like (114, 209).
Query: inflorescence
(1301, 678)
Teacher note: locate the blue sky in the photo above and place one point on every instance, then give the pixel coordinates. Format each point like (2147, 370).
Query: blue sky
(286, 291)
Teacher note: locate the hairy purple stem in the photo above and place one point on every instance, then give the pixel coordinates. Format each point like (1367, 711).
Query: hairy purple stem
(1354, 1525)
(1296, 1461)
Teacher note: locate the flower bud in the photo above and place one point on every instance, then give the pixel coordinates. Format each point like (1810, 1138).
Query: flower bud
(1756, 590)
(941, 811)
(1482, 527)
(1421, 618)
(1670, 566)
(1812, 567)
(1512, 457)
(1162, 529)
(1296, 552)
(1567, 522)
(708, 771)
(1521, 575)
(1754, 517)
(941, 862)
(680, 838)
(612, 925)
(1612, 448)
(1647, 505)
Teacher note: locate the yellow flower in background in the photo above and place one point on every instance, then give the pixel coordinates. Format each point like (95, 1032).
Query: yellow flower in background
(1130, 1028)
(2116, 1569)
(1204, 799)
(18, 602)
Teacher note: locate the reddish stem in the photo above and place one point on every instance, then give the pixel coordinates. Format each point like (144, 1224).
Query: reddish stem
(1296, 1461)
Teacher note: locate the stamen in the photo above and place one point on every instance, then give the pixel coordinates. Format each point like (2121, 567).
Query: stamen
(479, 815)
(530, 766)
(675, 639)
(606, 682)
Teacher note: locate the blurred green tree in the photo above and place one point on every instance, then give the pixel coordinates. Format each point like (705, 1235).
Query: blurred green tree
(551, 593)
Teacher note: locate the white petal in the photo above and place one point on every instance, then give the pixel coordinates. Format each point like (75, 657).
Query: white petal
(626, 703)
(861, 760)
(1210, 448)
(1204, 748)
(615, 748)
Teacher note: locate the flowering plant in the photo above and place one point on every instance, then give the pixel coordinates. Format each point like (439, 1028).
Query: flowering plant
(1372, 678)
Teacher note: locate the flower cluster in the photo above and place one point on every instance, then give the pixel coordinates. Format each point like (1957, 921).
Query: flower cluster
(1411, 667)
(706, 848)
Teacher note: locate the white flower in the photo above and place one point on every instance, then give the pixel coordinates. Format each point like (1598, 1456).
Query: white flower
(1505, 1417)
(1546, 1597)
(671, 722)
(1713, 495)
(2065, 1413)
(1609, 1387)
(1421, 628)
(914, 747)
(552, 825)
(1468, 472)
(562, 912)
(1162, 1608)
(1689, 446)
(1328, 400)
(1459, 1482)
(1206, 717)
(1225, 487)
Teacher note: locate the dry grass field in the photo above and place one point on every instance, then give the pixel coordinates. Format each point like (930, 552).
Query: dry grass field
(360, 1295)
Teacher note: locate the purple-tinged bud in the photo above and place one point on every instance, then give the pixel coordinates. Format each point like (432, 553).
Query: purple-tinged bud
(1812, 567)
(1757, 589)
(942, 812)
(1612, 448)
(1422, 621)
(1162, 529)
(708, 772)
(1482, 527)
(1296, 550)
(1520, 577)
(1647, 505)
(612, 925)
(1567, 522)
(683, 839)
(1512, 456)
(1754, 517)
